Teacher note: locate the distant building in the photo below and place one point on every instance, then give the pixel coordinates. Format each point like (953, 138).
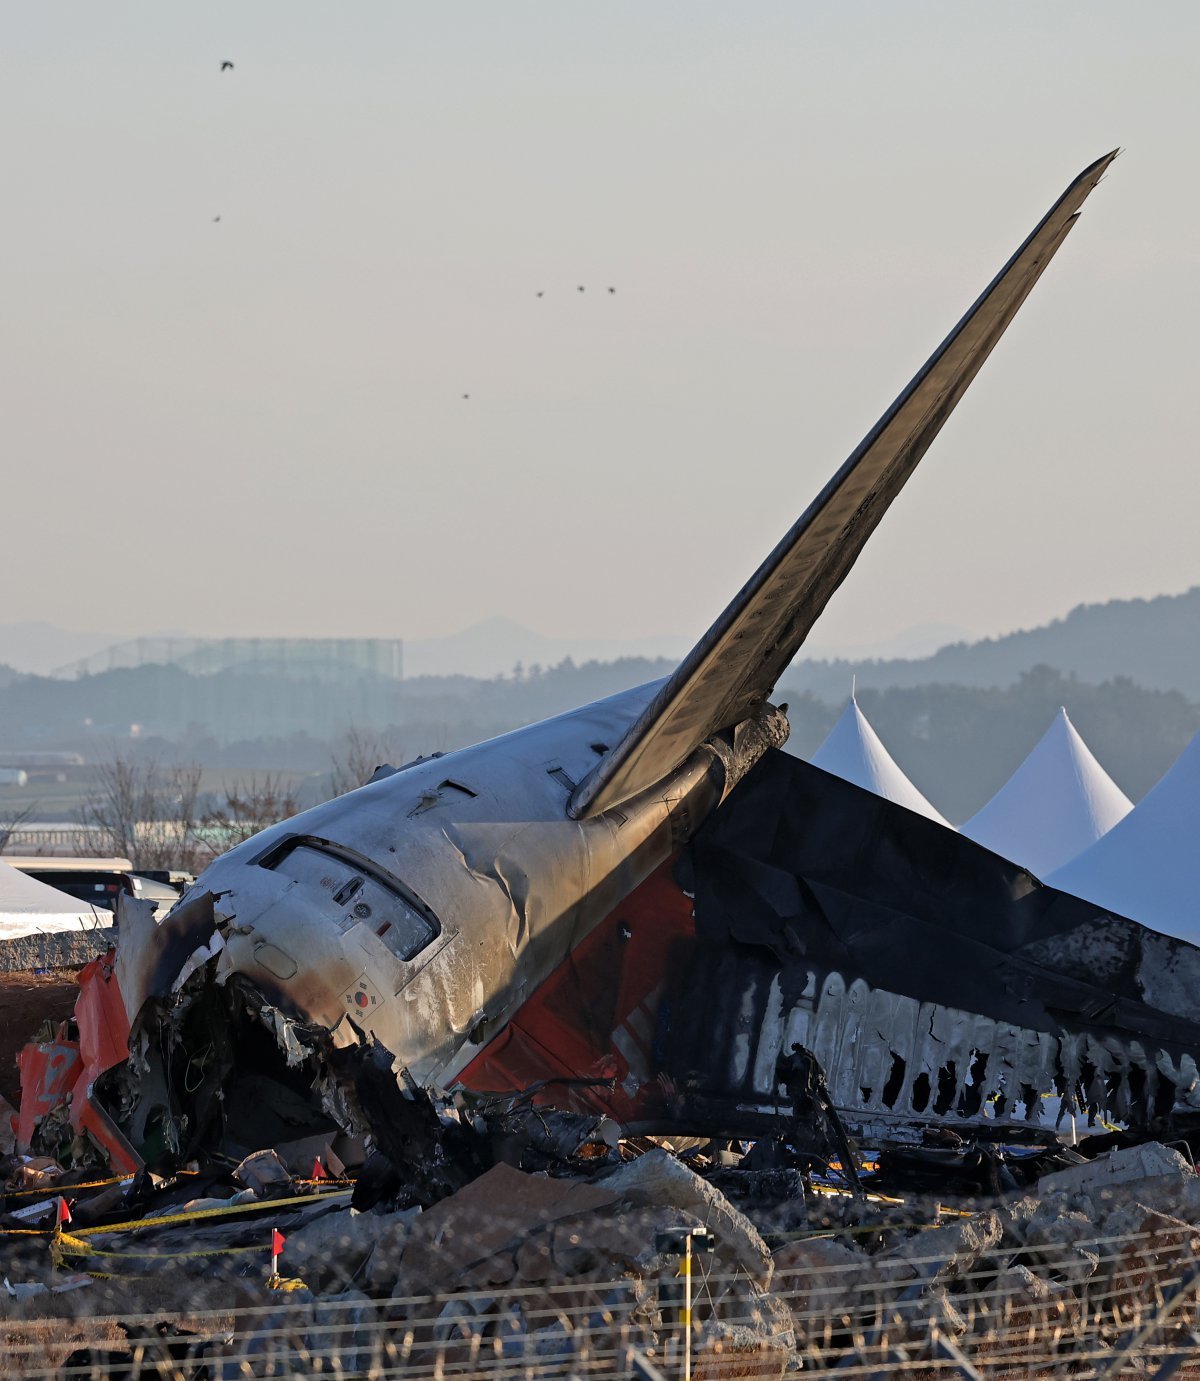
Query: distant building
(321, 659)
(39, 759)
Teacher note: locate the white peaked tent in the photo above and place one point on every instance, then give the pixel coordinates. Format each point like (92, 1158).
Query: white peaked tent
(29, 907)
(1055, 805)
(1148, 866)
(855, 752)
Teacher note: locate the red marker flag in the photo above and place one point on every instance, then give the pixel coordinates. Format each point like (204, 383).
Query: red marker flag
(277, 1241)
(318, 1171)
(64, 1212)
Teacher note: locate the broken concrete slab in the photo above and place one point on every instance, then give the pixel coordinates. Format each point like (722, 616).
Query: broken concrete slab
(1147, 1252)
(612, 1244)
(1112, 1177)
(383, 1264)
(332, 1252)
(726, 1351)
(941, 1312)
(1018, 1299)
(658, 1179)
(58, 949)
(949, 1252)
(341, 1328)
(819, 1273)
(502, 1206)
(1053, 1226)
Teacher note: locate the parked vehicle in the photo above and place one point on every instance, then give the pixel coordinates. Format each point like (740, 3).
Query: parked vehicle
(100, 881)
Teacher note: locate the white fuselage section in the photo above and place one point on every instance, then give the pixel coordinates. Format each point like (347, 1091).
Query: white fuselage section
(426, 906)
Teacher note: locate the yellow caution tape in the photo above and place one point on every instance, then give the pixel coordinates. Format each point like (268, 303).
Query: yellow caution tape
(101, 1184)
(74, 1246)
(64, 1244)
(64, 1188)
(196, 1215)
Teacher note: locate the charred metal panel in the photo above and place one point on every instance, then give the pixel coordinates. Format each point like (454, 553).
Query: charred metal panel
(596, 1017)
(927, 974)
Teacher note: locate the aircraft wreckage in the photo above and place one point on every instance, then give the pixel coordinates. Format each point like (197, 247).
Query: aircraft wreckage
(640, 910)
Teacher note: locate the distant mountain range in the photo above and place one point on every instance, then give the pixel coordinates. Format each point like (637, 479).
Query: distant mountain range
(491, 647)
(957, 721)
(1154, 642)
(494, 646)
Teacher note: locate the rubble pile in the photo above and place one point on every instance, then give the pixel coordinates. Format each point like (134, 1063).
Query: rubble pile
(572, 1266)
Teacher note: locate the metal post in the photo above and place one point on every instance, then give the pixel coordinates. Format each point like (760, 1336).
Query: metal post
(687, 1307)
(683, 1244)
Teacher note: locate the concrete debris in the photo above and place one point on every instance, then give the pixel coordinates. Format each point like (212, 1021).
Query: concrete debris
(391, 1233)
(340, 1327)
(815, 1273)
(1117, 1171)
(728, 1351)
(658, 1179)
(1019, 1299)
(333, 1250)
(482, 1273)
(949, 1252)
(500, 1209)
(1149, 1247)
(243, 1196)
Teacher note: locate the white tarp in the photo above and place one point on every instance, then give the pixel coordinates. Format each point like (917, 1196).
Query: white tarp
(1055, 805)
(855, 752)
(1147, 867)
(29, 907)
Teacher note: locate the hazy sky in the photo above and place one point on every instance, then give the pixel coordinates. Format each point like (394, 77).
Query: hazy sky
(256, 425)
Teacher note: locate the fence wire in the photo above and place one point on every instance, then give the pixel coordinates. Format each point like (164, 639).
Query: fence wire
(1092, 1307)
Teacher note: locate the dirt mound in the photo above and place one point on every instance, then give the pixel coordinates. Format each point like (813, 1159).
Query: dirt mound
(26, 1000)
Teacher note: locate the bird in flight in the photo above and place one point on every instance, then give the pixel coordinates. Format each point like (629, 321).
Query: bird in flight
(227, 66)
(579, 289)
(542, 294)
(216, 219)
(465, 397)
(612, 290)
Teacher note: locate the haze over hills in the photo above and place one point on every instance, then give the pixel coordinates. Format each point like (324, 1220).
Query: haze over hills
(491, 647)
(38, 647)
(495, 645)
(1154, 642)
(957, 721)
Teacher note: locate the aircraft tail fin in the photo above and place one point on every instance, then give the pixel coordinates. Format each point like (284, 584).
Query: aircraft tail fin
(733, 669)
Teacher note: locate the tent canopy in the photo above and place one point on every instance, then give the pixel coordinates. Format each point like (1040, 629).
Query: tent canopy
(1147, 867)
(29, 907)
(855, 752)
(1055, 805)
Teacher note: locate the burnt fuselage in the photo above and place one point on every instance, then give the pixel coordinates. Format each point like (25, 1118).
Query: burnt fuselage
(425, 907)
